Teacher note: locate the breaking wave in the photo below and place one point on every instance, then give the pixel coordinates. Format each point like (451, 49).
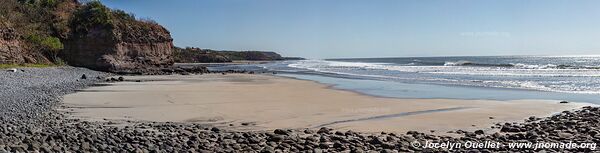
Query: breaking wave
(520, 65)
(542, 77)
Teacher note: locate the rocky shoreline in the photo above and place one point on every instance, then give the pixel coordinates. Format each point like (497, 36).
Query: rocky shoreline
(29, 122)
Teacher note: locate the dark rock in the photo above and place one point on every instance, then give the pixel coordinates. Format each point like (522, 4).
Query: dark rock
(277, 138)
(309, 131)
(281, 132)
(323, 130)
(509, 129)
(323, 145)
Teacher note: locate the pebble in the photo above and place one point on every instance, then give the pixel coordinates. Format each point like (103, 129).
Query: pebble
(30, 123)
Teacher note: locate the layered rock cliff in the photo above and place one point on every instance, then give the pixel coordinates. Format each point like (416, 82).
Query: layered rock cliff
(122, 44)
(88, 35)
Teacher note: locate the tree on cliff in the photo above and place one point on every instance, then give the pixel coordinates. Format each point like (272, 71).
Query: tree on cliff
(91, 15)
(94, 16)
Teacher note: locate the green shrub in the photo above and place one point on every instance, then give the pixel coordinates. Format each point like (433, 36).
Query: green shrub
(93, 14)
(122, 15)
(49, 43)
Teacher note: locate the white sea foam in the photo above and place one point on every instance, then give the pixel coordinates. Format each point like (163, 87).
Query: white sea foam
(521, 76)
(458, 63)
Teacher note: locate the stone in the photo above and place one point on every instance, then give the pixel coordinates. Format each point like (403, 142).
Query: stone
(323, 145)
(509, 129)
(281, 132)
(323, 130)
(317, 150)
(564, 135)
(309, 131)
(215, 129)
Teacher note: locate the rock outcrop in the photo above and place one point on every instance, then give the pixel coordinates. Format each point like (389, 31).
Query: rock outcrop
(13, 50)
(98, 50)
(124, 45)
(28, 30)
(10, 46)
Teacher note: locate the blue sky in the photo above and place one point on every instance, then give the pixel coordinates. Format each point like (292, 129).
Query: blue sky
(380, 28)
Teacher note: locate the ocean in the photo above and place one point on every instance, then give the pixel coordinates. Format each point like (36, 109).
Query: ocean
(572, 78)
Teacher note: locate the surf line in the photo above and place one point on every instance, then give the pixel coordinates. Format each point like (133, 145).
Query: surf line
(394, 115)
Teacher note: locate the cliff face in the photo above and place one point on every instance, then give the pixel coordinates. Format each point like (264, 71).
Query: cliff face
(12, 50)
(121, 44)
(114, 51)
(10, 47)
(88, 35)
(28, 30)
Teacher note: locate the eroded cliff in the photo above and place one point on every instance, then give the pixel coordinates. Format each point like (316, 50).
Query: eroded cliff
(115, 41)
(10, 47)
(88, 35)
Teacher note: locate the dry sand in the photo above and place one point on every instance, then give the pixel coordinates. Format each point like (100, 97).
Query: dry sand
(264, 102)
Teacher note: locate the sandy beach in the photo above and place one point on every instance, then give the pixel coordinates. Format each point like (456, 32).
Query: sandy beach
(264, 102)
(294, 76)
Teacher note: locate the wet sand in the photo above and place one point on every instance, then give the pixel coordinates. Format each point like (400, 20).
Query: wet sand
(265, 102)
